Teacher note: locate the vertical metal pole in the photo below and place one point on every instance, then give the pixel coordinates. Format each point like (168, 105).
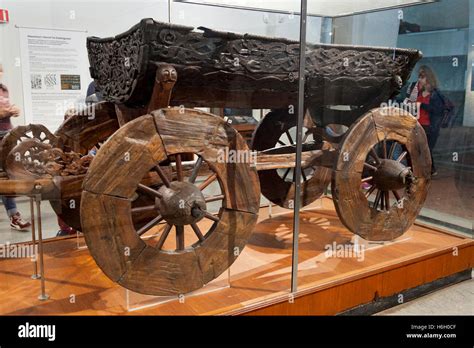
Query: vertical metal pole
(43, 295)
(33, 239)
(169, 11)
(299, 136)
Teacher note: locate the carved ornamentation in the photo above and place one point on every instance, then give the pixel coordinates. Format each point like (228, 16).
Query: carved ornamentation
(234, 63)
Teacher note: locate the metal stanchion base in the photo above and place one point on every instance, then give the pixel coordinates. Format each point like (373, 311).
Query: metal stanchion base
(36, 276)
(43, 297)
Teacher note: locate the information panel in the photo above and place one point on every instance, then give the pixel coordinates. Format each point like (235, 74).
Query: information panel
(54, 73)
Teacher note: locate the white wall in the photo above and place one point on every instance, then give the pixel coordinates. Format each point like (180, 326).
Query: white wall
(99, 18)
(244, 21)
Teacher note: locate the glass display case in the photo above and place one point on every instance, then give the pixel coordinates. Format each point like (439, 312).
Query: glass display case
(203, 157)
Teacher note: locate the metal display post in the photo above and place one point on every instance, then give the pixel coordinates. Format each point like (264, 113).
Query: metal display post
(43, 296)
(35, 274)
(299, 132)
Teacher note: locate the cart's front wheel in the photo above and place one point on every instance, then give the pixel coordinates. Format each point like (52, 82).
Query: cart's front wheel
(381, 178)
(202, 221)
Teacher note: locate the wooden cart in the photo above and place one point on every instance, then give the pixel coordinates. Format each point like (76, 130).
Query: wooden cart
(376, 158)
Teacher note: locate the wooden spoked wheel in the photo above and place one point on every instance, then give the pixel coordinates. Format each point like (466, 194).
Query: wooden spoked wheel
(276, 131)
(24, 162)
(18, 134)
(185, 257)
(381, 178)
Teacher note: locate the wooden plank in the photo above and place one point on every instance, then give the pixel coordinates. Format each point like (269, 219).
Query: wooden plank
(106, 222)
(134, 149)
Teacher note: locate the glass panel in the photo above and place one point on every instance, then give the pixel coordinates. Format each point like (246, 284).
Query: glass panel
(321, 8)
(443, 31)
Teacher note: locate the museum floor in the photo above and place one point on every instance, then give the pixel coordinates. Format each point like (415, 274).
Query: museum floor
(259, 279)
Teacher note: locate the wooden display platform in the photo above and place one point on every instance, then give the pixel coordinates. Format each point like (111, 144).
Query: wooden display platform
(419, 261)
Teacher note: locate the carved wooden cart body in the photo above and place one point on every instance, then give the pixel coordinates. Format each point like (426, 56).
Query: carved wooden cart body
(152, 75)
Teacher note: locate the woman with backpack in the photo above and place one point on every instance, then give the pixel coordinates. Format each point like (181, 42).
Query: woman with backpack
(431, 108)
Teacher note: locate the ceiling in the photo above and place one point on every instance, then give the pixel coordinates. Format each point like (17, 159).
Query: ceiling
(320, 8)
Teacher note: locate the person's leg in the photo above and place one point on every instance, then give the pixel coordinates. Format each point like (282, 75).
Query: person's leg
(16, 221)
(433, 140)
(10, 205)
(429, 138)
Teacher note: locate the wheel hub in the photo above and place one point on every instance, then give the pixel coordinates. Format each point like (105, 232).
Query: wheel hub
(181, 204)
(392, 175)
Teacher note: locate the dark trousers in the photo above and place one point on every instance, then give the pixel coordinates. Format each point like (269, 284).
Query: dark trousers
(432, 138)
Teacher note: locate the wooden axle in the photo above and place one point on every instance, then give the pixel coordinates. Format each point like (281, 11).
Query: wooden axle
(321, 158)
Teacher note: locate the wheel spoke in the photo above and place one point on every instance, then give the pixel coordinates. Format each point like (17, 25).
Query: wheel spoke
(149, 190)
(162, 176)
(179, 237)
(281, 143)
(149, 225)
(387, 200)
(304, 175)
(369, 166)
(372, 189)
(211, 217)
(384, 147)
(392, 150)
(289, 137)
(367, 179)
(402, 156)
(195, 172)
(397, 196)
(377, 199)
(143, 209)
(208, 181)
(374, 155)
(214, 198)
(382, 200)
(286, 173)
(163, 236)
(197, 231)
(179, 167)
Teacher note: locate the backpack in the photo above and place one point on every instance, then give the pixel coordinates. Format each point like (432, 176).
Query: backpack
(448, 111)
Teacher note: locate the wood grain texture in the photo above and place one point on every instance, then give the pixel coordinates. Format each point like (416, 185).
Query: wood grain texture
(185, 130)
(118, 168)
(112, 181)
(351, 202)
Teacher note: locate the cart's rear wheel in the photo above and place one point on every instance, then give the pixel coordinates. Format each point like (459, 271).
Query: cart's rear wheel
(384, 156)
(194, 245)
(31, 131)
(278, 129)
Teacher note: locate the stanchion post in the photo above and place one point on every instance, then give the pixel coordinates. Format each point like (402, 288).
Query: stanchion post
(299, 147)
(43, 296)
(33, 239)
